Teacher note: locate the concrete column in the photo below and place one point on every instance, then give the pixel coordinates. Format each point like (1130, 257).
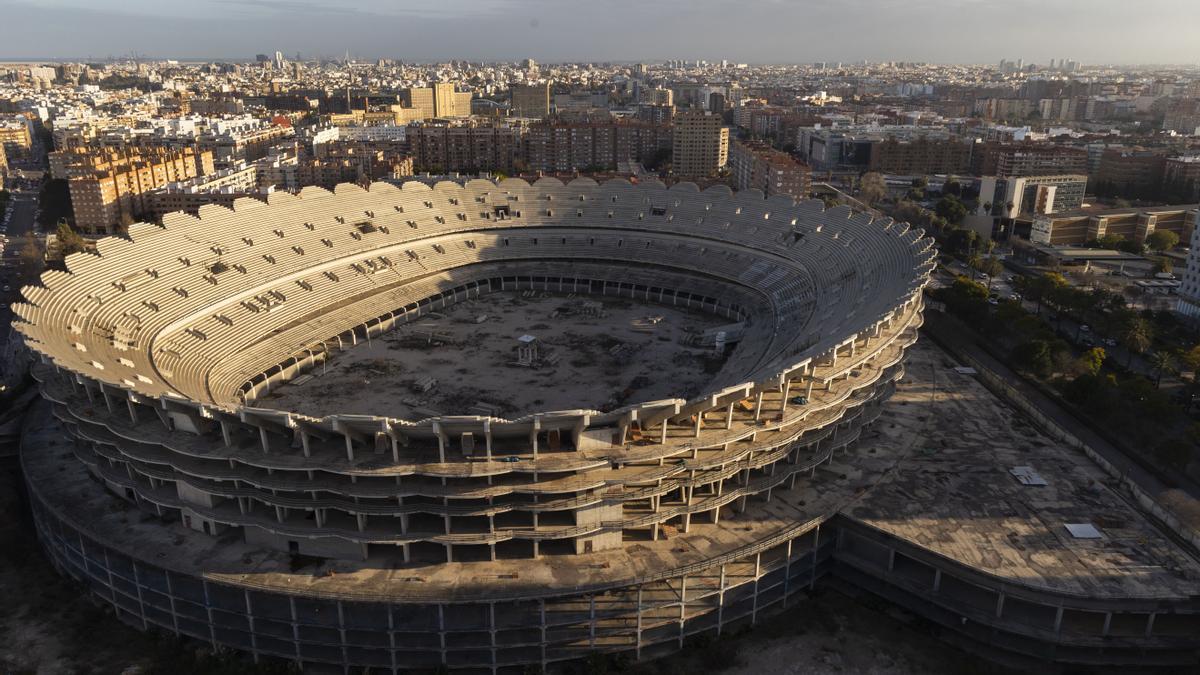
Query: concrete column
(349, 447)
(638, 647)
(266, 443)
(999, 605)
(682, 606)
(758, 400)
(729, 416)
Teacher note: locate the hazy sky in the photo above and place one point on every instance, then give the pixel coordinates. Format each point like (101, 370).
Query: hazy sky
(756, 31)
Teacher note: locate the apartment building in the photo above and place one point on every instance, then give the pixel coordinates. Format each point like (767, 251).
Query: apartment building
(530, 100)
(564, 147)
(110, 186)
(1181, 178)
(222, 187)
(15, 136)
(758, 166)
(921, 156)
(437, 101)
(1130, 172)
(1189, 288)
(233, 146)
(1028, 159)
(467, 146)
(701, 144)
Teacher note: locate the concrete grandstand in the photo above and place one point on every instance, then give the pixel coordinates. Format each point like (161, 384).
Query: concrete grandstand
(419, 531)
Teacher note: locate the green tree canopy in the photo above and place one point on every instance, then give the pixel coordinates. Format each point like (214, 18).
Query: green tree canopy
(951, 208)
(1162, 240)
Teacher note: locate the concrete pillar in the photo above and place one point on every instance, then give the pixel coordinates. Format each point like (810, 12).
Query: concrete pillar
(266, 443)
(638, 647)
(682, 606)
(729, 416)
(999, 605)
(758, 400)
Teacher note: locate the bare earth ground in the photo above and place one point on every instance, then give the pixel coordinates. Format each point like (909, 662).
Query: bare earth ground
(632, 352)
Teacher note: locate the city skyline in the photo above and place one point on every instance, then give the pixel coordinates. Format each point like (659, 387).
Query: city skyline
(755, 31)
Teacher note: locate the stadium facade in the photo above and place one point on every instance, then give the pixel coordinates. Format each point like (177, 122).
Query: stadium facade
(470, 541)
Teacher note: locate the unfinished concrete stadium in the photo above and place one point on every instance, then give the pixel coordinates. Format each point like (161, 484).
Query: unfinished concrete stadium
(490, 425)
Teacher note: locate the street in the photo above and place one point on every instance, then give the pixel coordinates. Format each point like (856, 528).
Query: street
(23, 205)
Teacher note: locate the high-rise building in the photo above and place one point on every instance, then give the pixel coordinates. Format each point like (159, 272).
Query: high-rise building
(532, 100)
(1181, 179)
(1189, 289)
(701, 146)
(563, 147)
(465, 146)
(110, 186)
(758, 166)
(920, 156)
(437, 101)
(1028, 159)
(15, 136)
(1014, 196)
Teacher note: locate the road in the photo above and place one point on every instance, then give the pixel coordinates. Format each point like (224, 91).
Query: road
(1066, 327)
(24, 205)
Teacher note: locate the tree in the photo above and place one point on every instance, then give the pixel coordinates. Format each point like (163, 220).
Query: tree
(68, 240)
(1162, 240)
(951, 208)
(1163, 266)
(1162, 361)
(1041, 288)
(1034, 356)
(1136, 335)
(872, 188)
(991, 267)
(960, 242)
(123, 223)
(1092, 360)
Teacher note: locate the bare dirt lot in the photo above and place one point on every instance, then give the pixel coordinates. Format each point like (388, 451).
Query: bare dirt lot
(587, 353)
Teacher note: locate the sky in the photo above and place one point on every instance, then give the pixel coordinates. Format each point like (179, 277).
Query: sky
(742, 31)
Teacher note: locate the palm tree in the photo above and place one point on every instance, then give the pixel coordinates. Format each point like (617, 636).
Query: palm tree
(1136, 335)
(1162, 361)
